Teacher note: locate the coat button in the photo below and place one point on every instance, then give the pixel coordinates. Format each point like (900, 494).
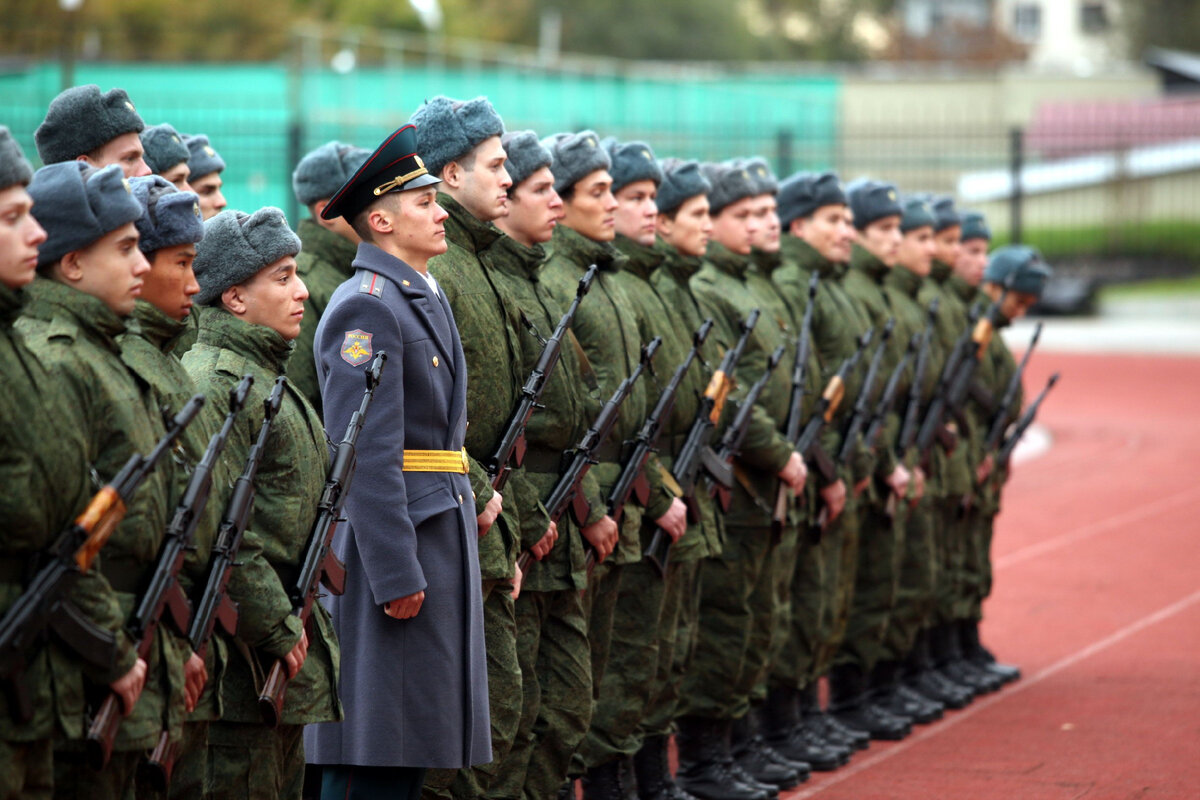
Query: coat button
(435, 361)
(460, 499)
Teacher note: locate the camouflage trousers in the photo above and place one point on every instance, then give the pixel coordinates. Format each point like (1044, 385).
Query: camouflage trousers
(838, 575)
(784, 562)
(876, 586)
(676, 645)
(74, 777)
(809, 622)
(504, 698)
(977, 583)
(916, 592)
(26, 770)
(735, 616)
(191, 767)
(952, 531)
(631, 674)
(254, 762)
(556, 699)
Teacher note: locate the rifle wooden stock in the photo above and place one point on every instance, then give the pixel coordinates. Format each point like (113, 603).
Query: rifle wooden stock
(157, 768)
(100, 518)
(103, 731)
(270, 702)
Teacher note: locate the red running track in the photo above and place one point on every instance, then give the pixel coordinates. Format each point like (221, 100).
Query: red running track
(1097, 597)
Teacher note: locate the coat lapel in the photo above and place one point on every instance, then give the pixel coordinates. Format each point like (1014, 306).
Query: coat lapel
(416, 291)
(458, 403)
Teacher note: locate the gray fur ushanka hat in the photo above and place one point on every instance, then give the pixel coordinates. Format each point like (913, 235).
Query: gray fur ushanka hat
(575, 156)
(171, 217)
(78, 205)
(326, 169)
(82, 119)
(164, 148)
(729, 184)
(202, 158)
(631, 162)
(449, 129)
(14, 167)
(237, 245)
(682, 180)
(525, 155)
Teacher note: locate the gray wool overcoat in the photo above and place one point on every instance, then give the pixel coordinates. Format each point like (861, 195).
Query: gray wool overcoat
(415, 690)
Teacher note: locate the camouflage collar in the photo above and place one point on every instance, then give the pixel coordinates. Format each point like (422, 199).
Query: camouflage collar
(679, 266)
(512, 256)
(49, 298)
(726, 260)
(960, 287)
(805, 256)
(642, 260)
(466, 230)
(573, 245)
(11, 303)
(904, 280)
(766, 262)
(256, 343)
(326, 245)
(865, 261)
(940, 271)
(155, 326)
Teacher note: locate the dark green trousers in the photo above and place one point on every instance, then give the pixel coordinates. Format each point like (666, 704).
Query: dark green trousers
(916, 591)
(876, 587)
(27, 770)
(784, 563)
(810, 621)
(676, 642)
(840, 573)
(74, 777)
(249, 761)
(191, 767)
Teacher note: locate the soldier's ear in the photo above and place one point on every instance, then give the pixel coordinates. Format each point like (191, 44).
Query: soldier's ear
(234, 300)
(665, 225)
(452, 175)
(70, 268)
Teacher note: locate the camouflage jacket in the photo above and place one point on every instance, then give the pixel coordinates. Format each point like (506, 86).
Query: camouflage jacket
(323, 265)
(76, 335)
(570, 402)
(43, 469)
(288, 486)
(611, 333)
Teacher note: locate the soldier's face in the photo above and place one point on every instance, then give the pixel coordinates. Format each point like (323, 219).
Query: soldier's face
(882, 239)
(1015, 305)
(766, 214)
(916, 250)
(480, 182)
(178, 176)
(829, 231)
(636, 211)
(947, 244)
(208, 187)
(20, 235)
(736, 226)
(112, 269)
(273, 298)
(691, 228)
(126, 151)
(591, 211)
(420, 224)
(535, 209)
(972, 260)
(171, 283)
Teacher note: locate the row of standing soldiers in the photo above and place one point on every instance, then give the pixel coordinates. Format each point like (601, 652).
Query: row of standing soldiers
(829, 526)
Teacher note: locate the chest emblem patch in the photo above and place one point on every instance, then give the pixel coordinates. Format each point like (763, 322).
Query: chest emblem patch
(356, 348)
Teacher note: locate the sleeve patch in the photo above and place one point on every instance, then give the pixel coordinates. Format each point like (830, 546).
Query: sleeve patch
(356, 347)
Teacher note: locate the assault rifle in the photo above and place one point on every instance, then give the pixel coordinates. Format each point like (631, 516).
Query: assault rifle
(510, 452)
(214, 605)
(696, 454)
(887, 400)
(321, 566)
(795, 421)
(632, 480)
(908, 429)
(862, 403)
(1000, 420)
(1004, 454)
(735, 434)
(933, 426)
(567, 491)
(45, 605)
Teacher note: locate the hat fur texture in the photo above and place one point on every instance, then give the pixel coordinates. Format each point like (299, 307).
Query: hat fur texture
(237, 245)
(81, 119)
(78, 205)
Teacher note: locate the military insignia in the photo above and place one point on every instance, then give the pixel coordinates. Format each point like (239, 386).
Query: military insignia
(128, 188)
(208, 151)
(129, 105)
(175, 139)
(646, 155)
(371, 284)
(356, 348)
(892, 195)
(196, 209)
(590, 141)
(420, 163)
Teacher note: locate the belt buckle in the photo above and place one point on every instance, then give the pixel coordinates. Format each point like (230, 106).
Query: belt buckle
(466, 465)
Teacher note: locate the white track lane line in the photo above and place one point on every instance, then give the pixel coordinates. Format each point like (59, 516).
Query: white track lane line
(1002, 695)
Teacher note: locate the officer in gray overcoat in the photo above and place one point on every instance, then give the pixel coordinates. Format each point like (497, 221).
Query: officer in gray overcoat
(414, 678)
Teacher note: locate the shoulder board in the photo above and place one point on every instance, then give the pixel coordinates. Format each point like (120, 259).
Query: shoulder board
(371, 283)
(231, 363)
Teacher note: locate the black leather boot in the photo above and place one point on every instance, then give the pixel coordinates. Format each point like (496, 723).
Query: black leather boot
(850, 705)
(949, 659)
(894, 697)
(980, 656)
(751, 754)
(652, 773)
(705, 763)
(825, 726)
(780, 726)
(921, 677)
(603, 782)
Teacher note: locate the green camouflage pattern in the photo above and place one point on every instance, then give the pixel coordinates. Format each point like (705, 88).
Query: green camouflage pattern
(254, 762)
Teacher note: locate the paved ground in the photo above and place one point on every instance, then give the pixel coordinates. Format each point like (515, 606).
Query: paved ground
(1097, 598)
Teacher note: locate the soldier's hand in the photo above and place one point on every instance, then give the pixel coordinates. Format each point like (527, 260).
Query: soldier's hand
(490, 512)
(794, 473)
(603, 535)
(834, 496)
(674, 521)
(195, 675)
(861, 486)
(899, 480)
(546, 543)
(984, 470)
(518, 578)
(295, 659)
(404, 607)
(128, 687)
(919, 482)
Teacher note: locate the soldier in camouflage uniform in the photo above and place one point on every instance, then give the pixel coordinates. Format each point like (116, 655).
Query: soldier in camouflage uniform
(877, 218)
(736, 596)
(167, 236)
(46, 481)
(628, 680)
(920, 569)
(96, 128)
(552, 634)
(814, 212)
(167, 155)
(460, 143)
(253, 307)
(92, 273)
(206, 166)
(328, 247)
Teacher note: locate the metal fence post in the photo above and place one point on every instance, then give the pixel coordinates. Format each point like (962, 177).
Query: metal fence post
(783, 151)
(1016, 145)
(295, 122)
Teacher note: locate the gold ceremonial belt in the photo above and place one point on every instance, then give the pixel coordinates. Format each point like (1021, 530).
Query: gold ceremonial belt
(437, 461)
